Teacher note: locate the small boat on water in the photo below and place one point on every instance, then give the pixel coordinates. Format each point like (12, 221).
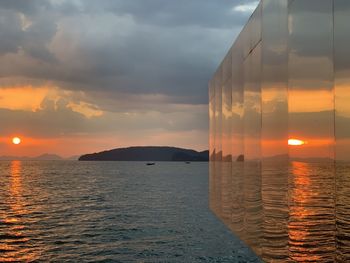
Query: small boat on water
(150, 163)
(187, 162)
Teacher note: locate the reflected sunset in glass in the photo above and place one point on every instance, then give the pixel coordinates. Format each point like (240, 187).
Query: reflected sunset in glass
(16, 140)
(290, 142)
(296, 142)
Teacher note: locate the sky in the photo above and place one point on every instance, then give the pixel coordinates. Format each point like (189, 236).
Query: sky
(80, 76)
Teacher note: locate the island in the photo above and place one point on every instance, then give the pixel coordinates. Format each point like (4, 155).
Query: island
(148, 153)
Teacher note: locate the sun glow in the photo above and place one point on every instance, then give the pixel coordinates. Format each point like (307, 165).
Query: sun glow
(295, 142)
(16, 140)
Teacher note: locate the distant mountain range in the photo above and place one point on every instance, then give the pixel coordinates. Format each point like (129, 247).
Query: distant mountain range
(43, 157)
(148, 153)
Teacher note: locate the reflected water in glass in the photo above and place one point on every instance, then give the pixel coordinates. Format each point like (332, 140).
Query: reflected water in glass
(290, 199)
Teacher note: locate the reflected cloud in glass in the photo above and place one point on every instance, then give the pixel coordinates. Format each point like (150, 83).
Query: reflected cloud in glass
(289, 130)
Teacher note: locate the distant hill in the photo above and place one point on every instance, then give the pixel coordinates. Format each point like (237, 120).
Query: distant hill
(48, 157)
(73, 158)
(148, 153)
(43, 157)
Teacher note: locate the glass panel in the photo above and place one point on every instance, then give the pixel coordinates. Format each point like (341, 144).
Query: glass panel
(226, 192)
(237, 104)
(288, 201)
(256, 26)
(342, 125)
(311, 212)
(252, 105)
(226, 140)
(342, 78)
(246, 39)
(311, 94)
(311, 120)
(274, 94)
(275, 80)
(237, 142)
(212, 120)
(252, 153)
(342, 211)
(218, 139)
(212, 128)
(227, 67)
(218, 115)
(226, 117)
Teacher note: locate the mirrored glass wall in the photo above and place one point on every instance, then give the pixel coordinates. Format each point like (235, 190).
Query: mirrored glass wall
(279, 108)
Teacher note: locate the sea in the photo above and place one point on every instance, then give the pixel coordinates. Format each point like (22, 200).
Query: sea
(70, 211)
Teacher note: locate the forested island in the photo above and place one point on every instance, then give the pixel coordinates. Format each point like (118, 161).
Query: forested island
(148, 153)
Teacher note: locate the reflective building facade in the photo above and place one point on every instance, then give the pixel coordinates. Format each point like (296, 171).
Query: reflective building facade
(279, 108)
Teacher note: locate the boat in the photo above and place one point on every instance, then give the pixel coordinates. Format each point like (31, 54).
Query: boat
(150, 163)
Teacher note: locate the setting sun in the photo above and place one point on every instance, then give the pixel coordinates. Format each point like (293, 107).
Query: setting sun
(16, 140)
(295, 142)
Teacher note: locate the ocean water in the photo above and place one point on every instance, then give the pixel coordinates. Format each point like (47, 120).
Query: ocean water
(69, 211)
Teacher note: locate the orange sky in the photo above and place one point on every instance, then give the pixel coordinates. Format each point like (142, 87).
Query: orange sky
(51, 120)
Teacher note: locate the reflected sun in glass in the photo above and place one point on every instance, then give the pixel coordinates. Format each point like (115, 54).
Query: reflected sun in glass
(296, 142)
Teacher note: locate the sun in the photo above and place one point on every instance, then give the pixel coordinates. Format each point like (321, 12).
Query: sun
(16, 140)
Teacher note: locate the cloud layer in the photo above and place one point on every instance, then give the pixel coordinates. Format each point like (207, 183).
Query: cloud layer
(147, 60)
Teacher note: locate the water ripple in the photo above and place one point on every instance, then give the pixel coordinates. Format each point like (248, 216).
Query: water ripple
(111, 212)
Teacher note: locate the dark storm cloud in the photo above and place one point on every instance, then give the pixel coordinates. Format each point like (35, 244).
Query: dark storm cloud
(10, 32)
(138, 47)
(24, 6)
(171, 13)
(32, 34)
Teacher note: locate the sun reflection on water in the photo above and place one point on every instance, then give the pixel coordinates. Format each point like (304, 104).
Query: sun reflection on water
(14, 229)
(16, 187)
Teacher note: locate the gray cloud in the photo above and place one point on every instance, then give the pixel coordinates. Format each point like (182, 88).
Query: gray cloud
(179, 13)
(146, 47)
(145, 63)
(56, 118)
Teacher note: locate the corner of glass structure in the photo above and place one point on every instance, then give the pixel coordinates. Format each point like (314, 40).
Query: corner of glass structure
(279, 110)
